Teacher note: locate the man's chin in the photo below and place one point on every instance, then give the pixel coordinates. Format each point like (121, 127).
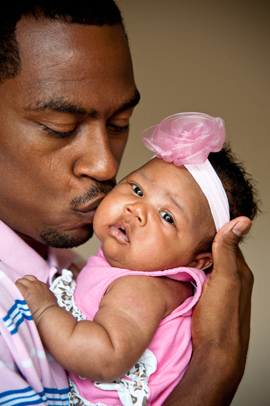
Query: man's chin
(57, 239)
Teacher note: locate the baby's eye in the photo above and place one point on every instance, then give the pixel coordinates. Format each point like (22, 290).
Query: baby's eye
(137, 190)
(167, 217)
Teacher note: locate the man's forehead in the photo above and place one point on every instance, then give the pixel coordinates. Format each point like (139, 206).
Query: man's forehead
(62, 72)
(54, 34)
(51, 45)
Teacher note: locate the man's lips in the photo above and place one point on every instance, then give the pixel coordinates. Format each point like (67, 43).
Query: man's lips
(89, 210)
(120, 232)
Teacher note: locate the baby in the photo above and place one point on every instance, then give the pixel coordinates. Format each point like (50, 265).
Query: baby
(127, 332)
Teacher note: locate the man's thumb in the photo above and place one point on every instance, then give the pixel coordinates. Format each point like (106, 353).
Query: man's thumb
(226, 241)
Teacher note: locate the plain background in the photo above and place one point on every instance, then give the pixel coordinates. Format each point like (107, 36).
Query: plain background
(211, 56)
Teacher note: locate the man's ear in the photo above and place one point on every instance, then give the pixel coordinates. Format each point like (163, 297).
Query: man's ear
(202, 261)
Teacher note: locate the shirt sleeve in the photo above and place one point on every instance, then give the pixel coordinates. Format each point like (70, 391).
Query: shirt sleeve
(28, 374)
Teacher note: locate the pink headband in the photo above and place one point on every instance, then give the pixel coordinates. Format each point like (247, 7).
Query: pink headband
(187, 139)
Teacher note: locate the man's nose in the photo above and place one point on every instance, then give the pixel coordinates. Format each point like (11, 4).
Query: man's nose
(96, 158)
(137, 210)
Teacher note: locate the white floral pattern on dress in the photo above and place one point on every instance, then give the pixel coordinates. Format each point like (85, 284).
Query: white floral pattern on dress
(63, 288)
(133, 388)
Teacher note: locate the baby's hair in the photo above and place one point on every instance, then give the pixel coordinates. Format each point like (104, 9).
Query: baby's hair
(238, 184)
(239, 187)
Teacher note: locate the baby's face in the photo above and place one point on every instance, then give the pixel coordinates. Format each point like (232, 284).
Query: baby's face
(154, 219)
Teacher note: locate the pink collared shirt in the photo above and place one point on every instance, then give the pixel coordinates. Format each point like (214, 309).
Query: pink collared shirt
(28, 374)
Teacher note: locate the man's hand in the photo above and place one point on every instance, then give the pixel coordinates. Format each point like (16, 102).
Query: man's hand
(222, 315)
(220, 326)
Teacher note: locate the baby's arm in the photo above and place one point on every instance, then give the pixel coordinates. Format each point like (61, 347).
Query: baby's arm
(108, 347)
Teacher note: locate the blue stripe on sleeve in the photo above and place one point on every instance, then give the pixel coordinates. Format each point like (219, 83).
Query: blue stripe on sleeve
(16, 315)
(28, 396)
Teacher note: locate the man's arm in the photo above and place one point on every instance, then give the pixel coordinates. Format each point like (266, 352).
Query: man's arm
(220, 326)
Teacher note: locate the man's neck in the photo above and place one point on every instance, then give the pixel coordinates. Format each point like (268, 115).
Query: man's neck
(40, 248)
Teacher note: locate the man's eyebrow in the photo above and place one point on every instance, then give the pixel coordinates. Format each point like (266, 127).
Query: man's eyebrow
(59, 105)
(132, 102)
(62, 106)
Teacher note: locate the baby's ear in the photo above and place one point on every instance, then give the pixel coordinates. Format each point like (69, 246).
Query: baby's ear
(202, 261)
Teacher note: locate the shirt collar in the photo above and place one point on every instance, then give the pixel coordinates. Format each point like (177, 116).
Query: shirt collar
(19, 256)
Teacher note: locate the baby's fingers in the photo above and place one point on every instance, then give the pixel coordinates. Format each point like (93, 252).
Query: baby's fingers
(24, 283)
(36, 294)
(30, 286)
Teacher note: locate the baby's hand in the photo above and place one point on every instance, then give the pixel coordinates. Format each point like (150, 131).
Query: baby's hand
(36, 294)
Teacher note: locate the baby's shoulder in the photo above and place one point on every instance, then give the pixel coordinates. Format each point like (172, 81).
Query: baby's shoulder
(159, 288)
(175, 292)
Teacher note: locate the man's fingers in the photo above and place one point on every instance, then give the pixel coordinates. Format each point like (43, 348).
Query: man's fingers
(231, 270)
(230, 283)
(246, 273)
(225, 246)
(247, 281)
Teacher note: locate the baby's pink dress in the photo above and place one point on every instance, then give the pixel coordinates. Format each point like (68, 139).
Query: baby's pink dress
(162, 365)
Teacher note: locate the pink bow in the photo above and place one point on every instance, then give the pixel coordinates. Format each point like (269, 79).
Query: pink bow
(185, 138)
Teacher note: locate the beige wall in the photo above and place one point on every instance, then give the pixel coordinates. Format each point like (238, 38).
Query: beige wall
(212, 56)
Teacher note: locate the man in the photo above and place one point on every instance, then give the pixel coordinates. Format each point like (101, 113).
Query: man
(67, 93)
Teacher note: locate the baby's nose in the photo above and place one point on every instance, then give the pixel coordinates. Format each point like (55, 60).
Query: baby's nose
(138, 210)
